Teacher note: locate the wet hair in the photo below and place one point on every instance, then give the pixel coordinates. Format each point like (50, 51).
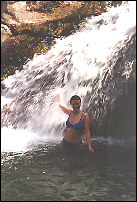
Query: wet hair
(75, 97)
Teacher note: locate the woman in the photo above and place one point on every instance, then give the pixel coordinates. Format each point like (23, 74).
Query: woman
(75, 123)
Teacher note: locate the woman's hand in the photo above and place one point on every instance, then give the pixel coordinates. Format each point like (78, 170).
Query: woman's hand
(62, 105)
(60, 97)
(90, 149)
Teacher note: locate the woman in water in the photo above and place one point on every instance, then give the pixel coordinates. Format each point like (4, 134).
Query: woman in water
(75, 123)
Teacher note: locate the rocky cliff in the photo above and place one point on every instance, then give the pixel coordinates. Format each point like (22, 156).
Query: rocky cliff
(29, 27)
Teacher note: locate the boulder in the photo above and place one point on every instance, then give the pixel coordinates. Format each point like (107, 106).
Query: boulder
(30, 27)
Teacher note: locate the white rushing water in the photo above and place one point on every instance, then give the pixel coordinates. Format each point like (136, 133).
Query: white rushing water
(71, 62)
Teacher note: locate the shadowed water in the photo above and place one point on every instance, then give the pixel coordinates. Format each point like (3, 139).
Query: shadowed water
(51, 173)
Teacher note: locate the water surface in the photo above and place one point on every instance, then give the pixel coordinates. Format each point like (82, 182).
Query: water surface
(51, 173)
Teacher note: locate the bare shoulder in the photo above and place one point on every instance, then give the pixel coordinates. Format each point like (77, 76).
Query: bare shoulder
(70, 111)
(85, 115)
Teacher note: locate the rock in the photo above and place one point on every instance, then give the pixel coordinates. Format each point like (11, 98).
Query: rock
(12, 48)
(26, 23)
(5, 32)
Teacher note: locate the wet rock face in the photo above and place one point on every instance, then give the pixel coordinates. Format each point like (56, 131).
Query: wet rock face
(30, 27)
(115, 112)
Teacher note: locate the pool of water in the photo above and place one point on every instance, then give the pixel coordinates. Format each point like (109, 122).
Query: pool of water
(51, 173)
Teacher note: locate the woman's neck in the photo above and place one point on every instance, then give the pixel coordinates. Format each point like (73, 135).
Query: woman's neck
(76, 111)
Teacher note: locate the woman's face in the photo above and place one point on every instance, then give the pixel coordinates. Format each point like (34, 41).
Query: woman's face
(75, 104)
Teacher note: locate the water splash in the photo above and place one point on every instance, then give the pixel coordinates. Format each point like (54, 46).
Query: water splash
(79, 64)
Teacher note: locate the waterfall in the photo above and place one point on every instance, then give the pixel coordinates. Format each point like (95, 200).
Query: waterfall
(85, 63)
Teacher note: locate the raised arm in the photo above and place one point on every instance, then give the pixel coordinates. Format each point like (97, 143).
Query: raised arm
(64, 108)
(87, 133)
